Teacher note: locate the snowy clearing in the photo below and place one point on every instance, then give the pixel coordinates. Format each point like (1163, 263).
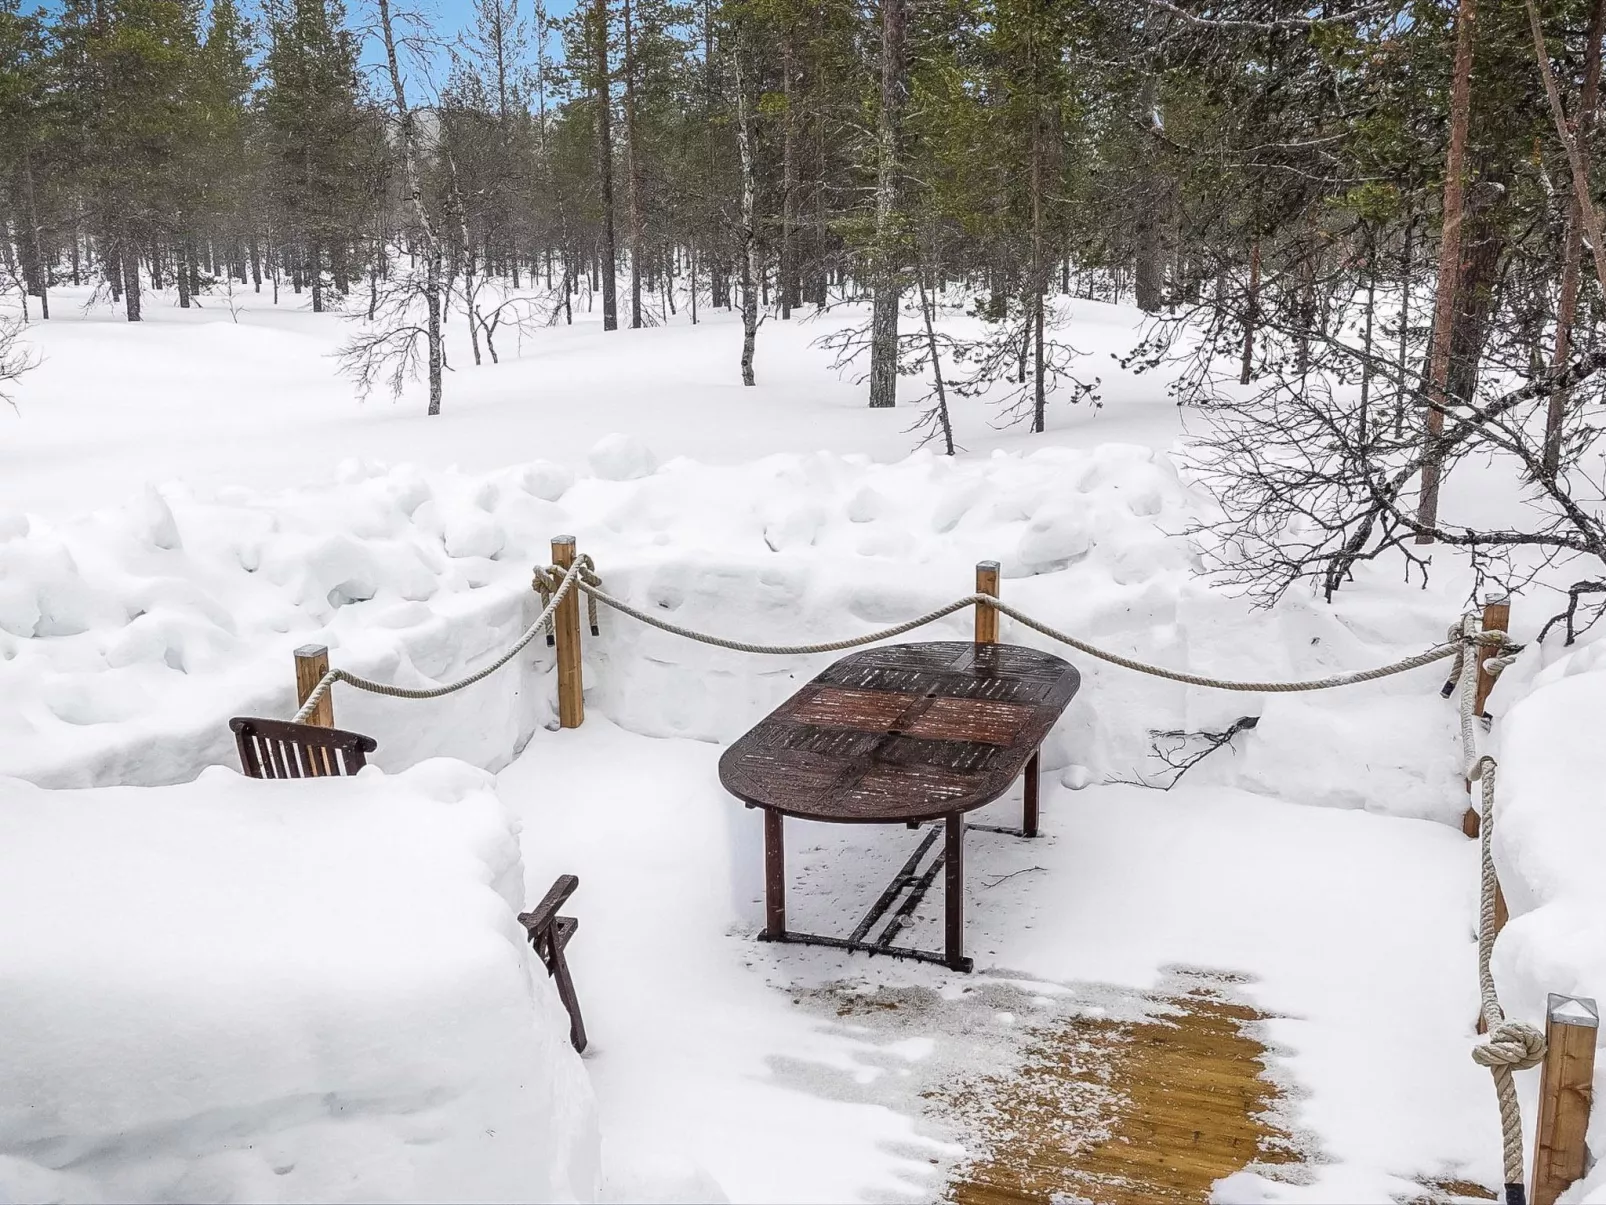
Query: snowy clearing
(356, 941)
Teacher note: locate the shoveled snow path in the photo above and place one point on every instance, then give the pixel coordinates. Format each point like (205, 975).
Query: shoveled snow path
(1350, 928)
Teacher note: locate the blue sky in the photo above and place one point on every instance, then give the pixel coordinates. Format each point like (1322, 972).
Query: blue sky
(447, 19)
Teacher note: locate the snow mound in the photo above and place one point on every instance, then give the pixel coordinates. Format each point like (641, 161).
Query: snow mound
(619, 457)
(1549, 831)
(130, 636)
(244, 990)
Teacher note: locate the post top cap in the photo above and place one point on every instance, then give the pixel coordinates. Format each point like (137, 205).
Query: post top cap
(563, 539)
(987, 564)
(312, 650)
(1572, 1010)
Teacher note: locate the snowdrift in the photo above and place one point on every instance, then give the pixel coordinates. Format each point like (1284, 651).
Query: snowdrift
(244, 990)
(132, 635)
(1550, 829)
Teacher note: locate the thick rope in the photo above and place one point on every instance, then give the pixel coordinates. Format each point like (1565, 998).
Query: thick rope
(1507, 1046)
(1437, 653)
(561, 588)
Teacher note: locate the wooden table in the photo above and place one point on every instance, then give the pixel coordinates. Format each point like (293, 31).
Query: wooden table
(904, 734)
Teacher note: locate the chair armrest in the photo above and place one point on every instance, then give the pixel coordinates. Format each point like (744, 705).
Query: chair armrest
(539, 919)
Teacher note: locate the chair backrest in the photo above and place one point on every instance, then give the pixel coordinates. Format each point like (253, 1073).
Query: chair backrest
(281, 749)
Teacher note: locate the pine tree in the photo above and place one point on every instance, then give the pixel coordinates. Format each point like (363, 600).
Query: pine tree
(320, 147)
(27, 146)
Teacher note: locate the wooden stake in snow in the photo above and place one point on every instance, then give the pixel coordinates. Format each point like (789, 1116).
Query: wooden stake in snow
(986, 617)
(566, 630)
(1496, 618)
(312, 663)
(1566, 1087)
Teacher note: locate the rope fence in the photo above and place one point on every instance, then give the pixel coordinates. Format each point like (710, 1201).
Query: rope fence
(561, 590)
(554, 585)
(1437, 653)
(1507, 1046)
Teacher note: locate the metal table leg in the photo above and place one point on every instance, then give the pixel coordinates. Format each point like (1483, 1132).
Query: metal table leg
(774, 877)
(1033, 779)
(954, 894)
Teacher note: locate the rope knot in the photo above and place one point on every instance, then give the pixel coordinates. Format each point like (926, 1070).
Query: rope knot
(1512, 1044)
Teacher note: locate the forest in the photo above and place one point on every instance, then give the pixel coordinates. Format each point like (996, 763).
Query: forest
(1360, 230)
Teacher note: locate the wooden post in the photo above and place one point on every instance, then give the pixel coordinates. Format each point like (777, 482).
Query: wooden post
(1566, 1085)
(1496, 618)
(986, 617)
(312, 663)
(566, 628)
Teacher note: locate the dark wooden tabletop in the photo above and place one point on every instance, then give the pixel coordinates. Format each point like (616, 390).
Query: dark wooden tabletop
(902, 733)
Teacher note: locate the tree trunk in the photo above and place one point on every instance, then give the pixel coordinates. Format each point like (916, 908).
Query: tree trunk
(1039, 268)
(41, 270)
(604, 102)
(1572, 255)
(744, 139)
(936, 369)
(884, 288)
(1148, 267)
(423, 231)
(1407, 278)
(1449, 265)
(128, 253)
(1251, 312)
(788, 268)
(1483, 241)
(821, 235)
(470, 287)
(632, 172)
(1366, 337)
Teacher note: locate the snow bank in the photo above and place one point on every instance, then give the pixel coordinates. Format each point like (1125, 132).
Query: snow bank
(1549, 833)
(132, 635)
(243, 990)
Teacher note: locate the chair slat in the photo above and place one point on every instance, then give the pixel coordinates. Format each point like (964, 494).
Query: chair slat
(279, 749)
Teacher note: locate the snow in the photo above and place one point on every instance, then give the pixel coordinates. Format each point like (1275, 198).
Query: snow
(184, 503)
(1364, 962)
(1549, 832)
(200, 396)
(619, 457)
(329, 997)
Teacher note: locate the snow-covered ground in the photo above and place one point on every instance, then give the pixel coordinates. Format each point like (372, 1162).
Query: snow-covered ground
(185, 502)
(198, 396)
(240, 990)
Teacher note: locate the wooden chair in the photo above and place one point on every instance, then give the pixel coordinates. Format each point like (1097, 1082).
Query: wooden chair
(280, 749)
(549, 933)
